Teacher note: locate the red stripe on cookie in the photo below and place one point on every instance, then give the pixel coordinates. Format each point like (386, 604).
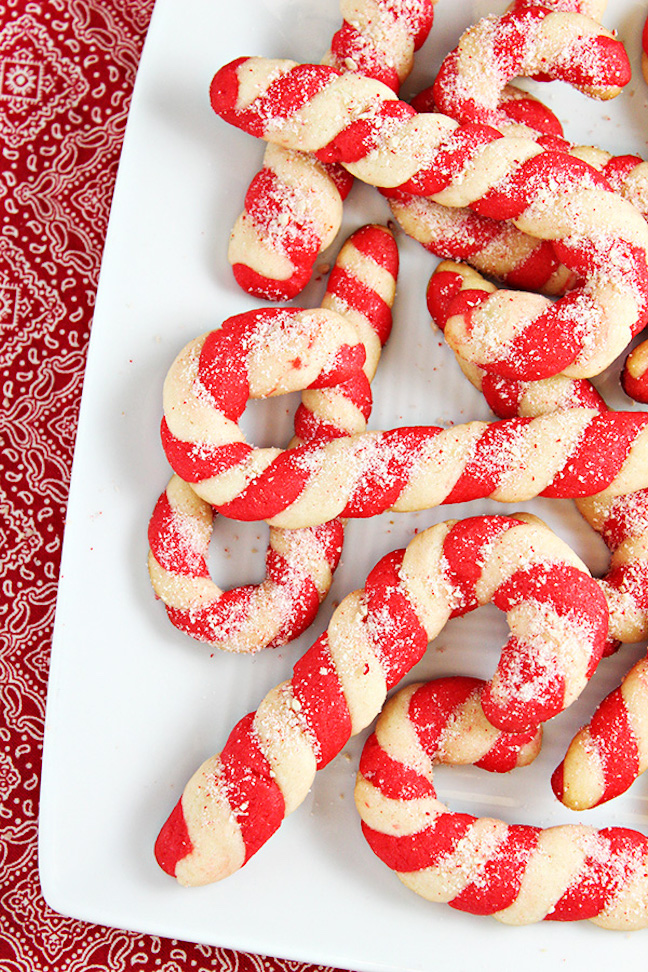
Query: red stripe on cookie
(250, 783)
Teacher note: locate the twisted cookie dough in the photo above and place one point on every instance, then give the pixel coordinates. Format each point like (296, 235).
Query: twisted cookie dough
(403, 470)
(299, 563)
(496, 248)
(293, 206)
(528, 41)
(361, 475)
(558, 619)
(469, 87)
(622, 520)
(299, 571)
(607, 755)
(518, 874)
(549, 195)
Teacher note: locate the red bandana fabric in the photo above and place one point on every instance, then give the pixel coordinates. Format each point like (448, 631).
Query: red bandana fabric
(67, 69)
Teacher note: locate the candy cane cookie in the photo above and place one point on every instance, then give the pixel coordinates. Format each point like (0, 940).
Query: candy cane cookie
(527, 41)
(608, 754)
(513, 257)
(299, 563)
(293, 206)
(401, 470)
(299, 571)
(558, 620)
(518, 874)
(473, 77)
(444, 720)
(495, 248)
(549, 195)
(503, 251)
(621, 521)
(495, 49)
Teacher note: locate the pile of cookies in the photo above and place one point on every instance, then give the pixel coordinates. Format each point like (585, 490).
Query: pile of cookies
(480, 173)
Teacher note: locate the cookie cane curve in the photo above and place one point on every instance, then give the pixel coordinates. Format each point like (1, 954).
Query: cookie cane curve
(558, 620)
(444, 719)
(549, 195)
(542, 40)
(510, 108)
(365, 474)
(299, 563)
(607, 755)
(517, 259)
(528, 41)
(518, 874)
(291, 212)
(299, 572)
(520, 112)
(513, 257)
(622, 521)
(469, 88)
(293, 206)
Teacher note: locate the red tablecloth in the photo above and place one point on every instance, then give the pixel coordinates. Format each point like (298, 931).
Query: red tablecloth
(67, 69)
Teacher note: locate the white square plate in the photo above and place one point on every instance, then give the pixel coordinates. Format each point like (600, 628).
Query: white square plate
(134, 707)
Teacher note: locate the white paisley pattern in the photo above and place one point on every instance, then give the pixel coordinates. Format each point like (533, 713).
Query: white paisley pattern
(66, 74)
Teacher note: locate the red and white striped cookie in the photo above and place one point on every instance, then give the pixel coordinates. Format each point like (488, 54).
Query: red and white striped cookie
(361, 288)
(547, 194)
(493, 49)
(493, 247)
(299, 571)
(469, 88)
(530, 40)
(622, 521)
(558, 619)
(517, 259)
(609, 753)
(369, 473)
(405, 469)
(293, 206)
(513, 257)
(299, 563)
(518, 874)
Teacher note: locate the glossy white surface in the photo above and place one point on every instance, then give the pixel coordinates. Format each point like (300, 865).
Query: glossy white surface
(134, 706)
